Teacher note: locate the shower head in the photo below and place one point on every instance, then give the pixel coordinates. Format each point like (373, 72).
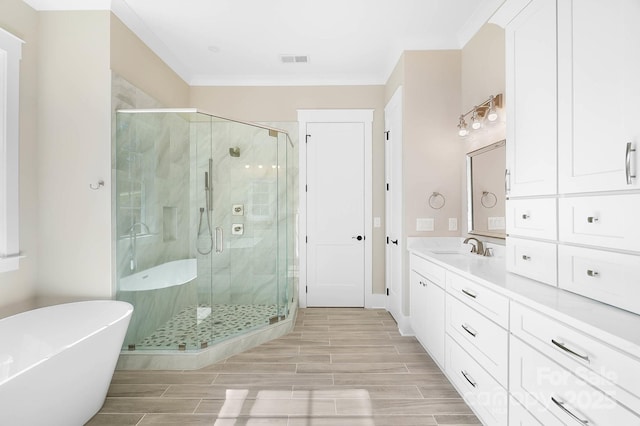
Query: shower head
(235, 151)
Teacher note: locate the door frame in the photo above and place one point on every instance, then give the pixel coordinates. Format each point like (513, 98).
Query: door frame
(364, 116)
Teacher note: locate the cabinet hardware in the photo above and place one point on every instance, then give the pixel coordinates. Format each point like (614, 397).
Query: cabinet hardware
(466, 376)
(592, 273)
(525, 216)
(592, 219)
(423, 284)
(469, 330)
(507, 181)
(469, 293)
(627, 163)
(525, 257)
(562, 346)
(561, 405)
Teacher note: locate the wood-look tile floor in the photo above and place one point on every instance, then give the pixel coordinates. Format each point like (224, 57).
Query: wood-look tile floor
(339, 366)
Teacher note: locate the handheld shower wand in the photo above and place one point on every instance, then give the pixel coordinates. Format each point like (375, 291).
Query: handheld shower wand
(207, 196)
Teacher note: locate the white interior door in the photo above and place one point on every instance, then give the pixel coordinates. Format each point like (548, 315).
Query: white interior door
(335, 214)
(393, 206)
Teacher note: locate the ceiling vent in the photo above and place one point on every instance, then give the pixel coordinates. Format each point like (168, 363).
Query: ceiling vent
(294, 59)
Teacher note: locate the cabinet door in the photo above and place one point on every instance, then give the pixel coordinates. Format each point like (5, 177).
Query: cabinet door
(531, 99)
(598, 94)
(427, 315)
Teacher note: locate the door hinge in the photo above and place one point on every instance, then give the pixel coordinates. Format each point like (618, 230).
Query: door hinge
(306, 138)
(387, 292)
(306, 239)
(387, 187)
(387, 134)
(306, 289)
(306, 189)
(387, 240)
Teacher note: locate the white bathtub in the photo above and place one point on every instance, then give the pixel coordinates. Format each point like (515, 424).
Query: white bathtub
(165, 275)
(56, 363)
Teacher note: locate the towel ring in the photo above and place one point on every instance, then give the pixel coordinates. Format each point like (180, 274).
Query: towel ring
(437, 201)
(488, 199)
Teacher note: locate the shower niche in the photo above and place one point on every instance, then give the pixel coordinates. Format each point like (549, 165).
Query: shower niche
(204, 227)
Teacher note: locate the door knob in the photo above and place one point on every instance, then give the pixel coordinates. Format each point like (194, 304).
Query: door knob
(359, 237)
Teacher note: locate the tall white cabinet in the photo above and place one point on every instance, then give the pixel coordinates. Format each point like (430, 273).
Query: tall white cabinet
(573, 93)
(598, 95)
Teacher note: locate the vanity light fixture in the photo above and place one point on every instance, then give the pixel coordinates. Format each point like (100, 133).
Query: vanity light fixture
(486, 110)
(462, 127)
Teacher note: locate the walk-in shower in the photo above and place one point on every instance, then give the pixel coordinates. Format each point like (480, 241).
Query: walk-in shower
(204, 235)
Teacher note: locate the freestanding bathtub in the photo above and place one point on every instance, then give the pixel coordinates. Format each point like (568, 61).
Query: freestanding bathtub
(56, 363)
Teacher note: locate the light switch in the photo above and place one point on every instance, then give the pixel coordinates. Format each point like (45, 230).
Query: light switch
(495, 223)
(376, 222)
(424, 224)
(453, 224)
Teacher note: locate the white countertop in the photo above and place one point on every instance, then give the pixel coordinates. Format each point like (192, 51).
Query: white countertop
(612, 325)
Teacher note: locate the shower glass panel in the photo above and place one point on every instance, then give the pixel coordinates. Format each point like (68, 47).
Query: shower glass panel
(204, 229)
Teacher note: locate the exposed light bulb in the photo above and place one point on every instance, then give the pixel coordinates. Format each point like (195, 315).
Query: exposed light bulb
(475, 120)
(462, 127)
(492, 115)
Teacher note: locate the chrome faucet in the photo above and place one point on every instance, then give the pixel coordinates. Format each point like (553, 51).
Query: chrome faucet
(133, 262)
(475, 248)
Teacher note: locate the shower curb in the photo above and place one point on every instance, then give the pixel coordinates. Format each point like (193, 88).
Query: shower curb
(193, 360)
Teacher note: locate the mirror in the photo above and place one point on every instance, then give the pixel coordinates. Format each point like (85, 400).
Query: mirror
(485, 191)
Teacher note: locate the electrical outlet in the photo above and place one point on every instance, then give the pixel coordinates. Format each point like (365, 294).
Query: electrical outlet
(376, 222)
(453, 224)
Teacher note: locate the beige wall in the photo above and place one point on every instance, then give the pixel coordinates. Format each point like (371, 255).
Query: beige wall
(74, 150)
(22, 21)
(483, 74)
(280, 104)
(134, 61)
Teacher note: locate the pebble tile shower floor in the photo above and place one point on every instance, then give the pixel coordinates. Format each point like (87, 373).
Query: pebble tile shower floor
(339, 366)
(224, 321)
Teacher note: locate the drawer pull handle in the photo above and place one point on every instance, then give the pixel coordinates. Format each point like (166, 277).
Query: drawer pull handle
(469, 330)
(561, 405)
(593, 273)
(469, 293)
(571, 351)
(525, 216)
(592, 219)
(627, 163)
(466, 376)
(525, 257)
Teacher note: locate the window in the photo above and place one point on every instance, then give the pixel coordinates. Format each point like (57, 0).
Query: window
(10, 54)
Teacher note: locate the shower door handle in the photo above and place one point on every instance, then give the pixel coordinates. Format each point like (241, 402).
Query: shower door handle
(219, 239)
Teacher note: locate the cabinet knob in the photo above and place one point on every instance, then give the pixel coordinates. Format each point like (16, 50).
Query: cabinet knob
(592, 219)
(525, 216)
(525, 257)
(592, 273)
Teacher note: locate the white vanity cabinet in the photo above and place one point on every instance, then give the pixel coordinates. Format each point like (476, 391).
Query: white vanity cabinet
(562, 375)
(427, 305)
(598, 95)
(531, 100)
(477, 345)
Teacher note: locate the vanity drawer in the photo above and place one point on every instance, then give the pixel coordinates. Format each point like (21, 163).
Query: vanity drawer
(532, 218)
(605, 276)
(607, 221)
(519, 416)
(486, 341)
(434, 273)
(532, 259)
(489, 303)
(557, 397)
(614, 372)
(481, 391)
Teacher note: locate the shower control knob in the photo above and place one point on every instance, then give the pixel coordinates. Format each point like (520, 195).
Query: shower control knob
(359, 237)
